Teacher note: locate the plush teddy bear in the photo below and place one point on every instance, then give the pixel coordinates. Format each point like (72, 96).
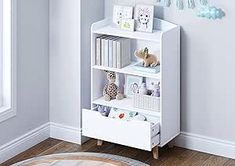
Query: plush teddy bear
(149, 59)
(111, 90)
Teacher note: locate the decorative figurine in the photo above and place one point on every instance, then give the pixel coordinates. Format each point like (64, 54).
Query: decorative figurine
(156, 91)
(111, 90)
(143, 90)
(149, 59)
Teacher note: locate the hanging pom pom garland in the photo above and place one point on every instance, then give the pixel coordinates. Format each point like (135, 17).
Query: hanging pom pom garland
(180, 4)
(191, 4)
(203, 2)
(167, 3)
(207, 11)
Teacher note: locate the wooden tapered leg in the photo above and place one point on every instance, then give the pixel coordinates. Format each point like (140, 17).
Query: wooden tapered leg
(99, 142)
(171, 144)
(155, 151)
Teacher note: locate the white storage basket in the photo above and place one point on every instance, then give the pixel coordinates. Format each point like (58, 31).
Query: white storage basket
(146, 102)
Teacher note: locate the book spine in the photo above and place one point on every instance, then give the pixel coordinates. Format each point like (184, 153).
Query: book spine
(119, 54)
(98, 51)
(126, 57)
(106, 53)
(103, 52)
(114, 54)
(110, 53)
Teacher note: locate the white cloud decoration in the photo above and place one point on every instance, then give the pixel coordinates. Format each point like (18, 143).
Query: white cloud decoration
(211, 12)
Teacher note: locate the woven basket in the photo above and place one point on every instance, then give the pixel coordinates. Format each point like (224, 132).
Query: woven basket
(146, 102)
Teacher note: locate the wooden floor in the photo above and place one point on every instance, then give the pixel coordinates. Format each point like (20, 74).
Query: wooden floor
(168, 156)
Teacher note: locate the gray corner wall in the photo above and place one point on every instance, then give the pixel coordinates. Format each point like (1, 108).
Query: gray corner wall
(70, 23)
(32, 70)
(207, 65)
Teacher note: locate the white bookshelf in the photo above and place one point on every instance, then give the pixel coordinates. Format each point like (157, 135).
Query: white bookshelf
(166, 40)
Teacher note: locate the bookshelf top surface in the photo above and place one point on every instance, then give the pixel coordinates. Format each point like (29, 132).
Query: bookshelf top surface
(106, 27)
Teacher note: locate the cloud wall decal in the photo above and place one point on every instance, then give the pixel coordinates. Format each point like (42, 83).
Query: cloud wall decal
(211, 12)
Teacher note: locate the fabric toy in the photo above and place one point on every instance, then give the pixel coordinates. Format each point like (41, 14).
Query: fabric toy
(103, 110)
(111, 90)
(149, 59)
(121, 114)
(156, 90)
(139, 117)
(125, 115)
(143, 90)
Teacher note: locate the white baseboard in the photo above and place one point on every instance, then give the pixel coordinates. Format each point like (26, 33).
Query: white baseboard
(66, 133)
(24, 142)
(206, 144)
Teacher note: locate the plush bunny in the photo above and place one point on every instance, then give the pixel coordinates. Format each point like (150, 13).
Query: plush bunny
(156, 91)
(149, 59)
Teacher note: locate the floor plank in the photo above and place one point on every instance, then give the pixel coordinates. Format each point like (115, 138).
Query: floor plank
(196, 160)
(215, 161)
(230, 162)
(168, 156)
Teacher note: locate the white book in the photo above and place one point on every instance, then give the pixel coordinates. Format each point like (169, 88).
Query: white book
(111, 39)
(110, 53)
(98, 51)
(102, 52)
(106, 53)
(119, 47)
(126, 52)
(115, 54)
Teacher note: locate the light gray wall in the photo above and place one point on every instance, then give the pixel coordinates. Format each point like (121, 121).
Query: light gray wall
(32, 71)
(70, 22)
(207, 65)
(65, 62)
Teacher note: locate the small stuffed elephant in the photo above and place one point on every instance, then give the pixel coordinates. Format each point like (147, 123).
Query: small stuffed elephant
(111, 90)
(149, 59)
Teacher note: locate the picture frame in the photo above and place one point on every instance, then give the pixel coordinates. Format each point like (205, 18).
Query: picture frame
(132, 85)
(128, 24)
(122, 12)
(144, 15)
(151, 82)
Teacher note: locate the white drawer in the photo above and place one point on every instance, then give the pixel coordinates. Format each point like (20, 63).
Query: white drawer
(137, 134)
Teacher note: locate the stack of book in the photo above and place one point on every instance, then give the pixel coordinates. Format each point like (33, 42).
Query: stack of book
(113, 51)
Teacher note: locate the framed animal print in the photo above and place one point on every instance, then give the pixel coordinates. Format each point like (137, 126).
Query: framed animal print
(132, 85)
(144, 15)
(122, 12)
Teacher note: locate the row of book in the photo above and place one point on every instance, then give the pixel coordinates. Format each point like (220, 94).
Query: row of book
(112, 51)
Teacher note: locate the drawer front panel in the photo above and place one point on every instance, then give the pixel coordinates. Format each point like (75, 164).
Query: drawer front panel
(138, 134)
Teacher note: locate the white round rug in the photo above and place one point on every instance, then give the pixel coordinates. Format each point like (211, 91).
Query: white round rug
(80, 159)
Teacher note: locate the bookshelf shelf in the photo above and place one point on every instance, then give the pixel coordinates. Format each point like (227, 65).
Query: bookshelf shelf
(126, 104)
(129, 70)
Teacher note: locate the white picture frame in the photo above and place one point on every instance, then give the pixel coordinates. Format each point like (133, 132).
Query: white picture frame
(122, 12)
(132, 85)
(144, 15)
(128, 24)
